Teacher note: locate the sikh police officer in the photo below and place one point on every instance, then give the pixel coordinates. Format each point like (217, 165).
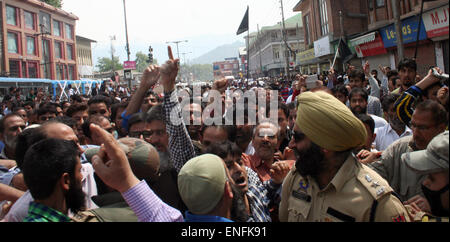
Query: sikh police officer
(328, 183)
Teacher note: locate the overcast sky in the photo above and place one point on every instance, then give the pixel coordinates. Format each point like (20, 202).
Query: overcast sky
(156, 22)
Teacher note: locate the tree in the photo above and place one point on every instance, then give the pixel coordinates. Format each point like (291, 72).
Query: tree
(105, 64)
(56, 3)
(141, 61)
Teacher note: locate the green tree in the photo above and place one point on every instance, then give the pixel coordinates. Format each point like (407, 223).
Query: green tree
(141, 61)
(105, 64)
(56, 3)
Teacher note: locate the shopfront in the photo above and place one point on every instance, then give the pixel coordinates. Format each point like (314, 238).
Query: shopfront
(437, 29)
(370, 48)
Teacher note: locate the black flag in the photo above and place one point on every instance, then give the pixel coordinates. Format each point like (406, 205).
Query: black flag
(244, 24)
(344, 51)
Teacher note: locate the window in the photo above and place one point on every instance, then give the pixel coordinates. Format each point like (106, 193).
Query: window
(32, 70)
(11, 15)
(13, 43)
(56, 28)
(371, 5)
(58, 50)
(307, 35)
(71, 72)
(59, 71)
(31, 45)
(69, 52)
(323, 16)
(29, 20)
(44, 19)
(46, 59)
(14, 68)
(277, 55)
(380, 3)
(69, 34)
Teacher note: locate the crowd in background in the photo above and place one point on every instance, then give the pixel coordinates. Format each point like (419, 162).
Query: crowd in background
(118, 155)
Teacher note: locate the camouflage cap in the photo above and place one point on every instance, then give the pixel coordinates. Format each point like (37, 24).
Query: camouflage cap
(143, 157)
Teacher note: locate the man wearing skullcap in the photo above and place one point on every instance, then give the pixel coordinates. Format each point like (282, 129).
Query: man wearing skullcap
(327, 183)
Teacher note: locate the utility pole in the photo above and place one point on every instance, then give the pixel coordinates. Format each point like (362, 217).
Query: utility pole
(285, 41)
(398, 28)
(112, 52)
(177, 42)
(126, 34)
(260, 54)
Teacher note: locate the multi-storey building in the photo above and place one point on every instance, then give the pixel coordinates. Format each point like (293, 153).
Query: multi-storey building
(323, 28)
(268, 50)
(37, 41)
(369, 30)
(229, 67)
(433, 37)
(84, 57)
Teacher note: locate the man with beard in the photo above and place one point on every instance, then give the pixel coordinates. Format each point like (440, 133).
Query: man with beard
(258, 197)
(358, 99)
(327, 182)
(52, 172)
(433, 162)
(395, 129)
(55, 130)
(10, 127)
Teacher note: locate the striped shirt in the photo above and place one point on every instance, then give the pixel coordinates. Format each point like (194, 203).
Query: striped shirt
(148, 207)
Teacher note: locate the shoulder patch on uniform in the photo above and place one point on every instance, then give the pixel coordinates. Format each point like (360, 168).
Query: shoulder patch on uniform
(373, 182)
(399, 218)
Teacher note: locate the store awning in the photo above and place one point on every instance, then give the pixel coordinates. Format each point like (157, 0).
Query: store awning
(363, 39)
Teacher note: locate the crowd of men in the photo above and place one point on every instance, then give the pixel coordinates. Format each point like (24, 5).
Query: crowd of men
(348, 147)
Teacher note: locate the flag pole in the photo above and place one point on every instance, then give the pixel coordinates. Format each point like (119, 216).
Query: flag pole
(418, 30)
(248, 46)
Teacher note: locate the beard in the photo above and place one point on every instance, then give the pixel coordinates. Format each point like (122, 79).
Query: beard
(310, 161)
(238, 209)
(75, 197)
(361, 110)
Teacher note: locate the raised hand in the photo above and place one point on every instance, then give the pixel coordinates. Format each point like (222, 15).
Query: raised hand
(150, 77)
(169, 72)
(111, 163)
(366, 68)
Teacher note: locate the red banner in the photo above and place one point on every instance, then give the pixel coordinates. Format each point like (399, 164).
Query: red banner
(375, 47)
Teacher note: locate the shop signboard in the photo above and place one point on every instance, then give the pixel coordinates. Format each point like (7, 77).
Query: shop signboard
(409, 30)
(322, 46)
(436, 22)
(376, 47)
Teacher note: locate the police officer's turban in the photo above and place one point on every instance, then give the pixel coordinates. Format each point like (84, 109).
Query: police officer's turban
(328, 122)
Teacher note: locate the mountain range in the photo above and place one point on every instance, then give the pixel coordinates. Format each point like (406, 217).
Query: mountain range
(219, 53)
(199, 49)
